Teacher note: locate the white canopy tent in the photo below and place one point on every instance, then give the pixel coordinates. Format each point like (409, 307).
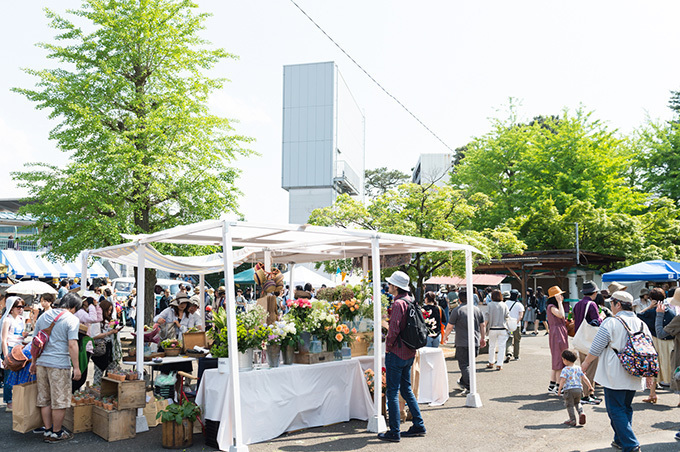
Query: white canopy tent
(293, 244)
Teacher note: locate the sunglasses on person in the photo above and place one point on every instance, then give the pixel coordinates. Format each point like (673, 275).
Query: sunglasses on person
(20, 306)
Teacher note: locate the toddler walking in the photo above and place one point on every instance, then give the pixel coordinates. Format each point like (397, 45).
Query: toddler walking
(571, 388)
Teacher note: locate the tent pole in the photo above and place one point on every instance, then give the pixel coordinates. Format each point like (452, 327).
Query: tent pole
(235, 395)
(83, 269)
(291, 286)
(376, 423)
(142, 425)
(473, 400)
(201, 303)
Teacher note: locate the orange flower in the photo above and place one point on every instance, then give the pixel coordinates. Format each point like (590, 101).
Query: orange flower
(358, 338)
(338, 328)
(351, 309)
(345, 329)
(338, 337)
(354, 330)
(348, 302)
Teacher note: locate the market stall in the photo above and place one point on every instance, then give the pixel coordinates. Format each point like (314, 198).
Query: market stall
(293, 244)
(285, 399)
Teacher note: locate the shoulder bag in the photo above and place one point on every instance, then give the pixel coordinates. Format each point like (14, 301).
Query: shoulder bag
(585, 334)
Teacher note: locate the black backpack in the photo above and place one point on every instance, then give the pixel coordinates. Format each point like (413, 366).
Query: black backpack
(414, 335)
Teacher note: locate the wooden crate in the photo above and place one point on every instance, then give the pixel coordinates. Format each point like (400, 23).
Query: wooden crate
(113, 425)
(360, 347)
(313, 358)
(78, 418)
(130, 393)
(190, 340)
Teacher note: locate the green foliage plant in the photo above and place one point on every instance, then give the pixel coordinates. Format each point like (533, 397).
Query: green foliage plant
(177, 413)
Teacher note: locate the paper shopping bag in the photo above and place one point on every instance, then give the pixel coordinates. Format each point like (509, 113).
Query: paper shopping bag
(25, 414)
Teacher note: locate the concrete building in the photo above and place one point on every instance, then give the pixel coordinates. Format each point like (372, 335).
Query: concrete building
(432, 169)
(323, 139)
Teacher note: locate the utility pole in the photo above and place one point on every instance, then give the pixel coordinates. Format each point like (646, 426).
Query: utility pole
(578, 252)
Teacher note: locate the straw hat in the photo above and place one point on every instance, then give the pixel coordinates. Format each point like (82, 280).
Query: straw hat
(554, 290)
(615, 287)
(195, 300)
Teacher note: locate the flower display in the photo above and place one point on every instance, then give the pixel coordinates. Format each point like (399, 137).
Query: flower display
(349, 309)
(283, 333)
(370, 380)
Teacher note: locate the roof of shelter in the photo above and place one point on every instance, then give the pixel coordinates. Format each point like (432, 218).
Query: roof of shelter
(298, 243)
(548, 260)
(477, 280)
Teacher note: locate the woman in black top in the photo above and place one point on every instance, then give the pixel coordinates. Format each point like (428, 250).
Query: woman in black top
(433, 320)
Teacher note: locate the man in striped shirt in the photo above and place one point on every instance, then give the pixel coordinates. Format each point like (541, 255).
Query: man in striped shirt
(619, 385)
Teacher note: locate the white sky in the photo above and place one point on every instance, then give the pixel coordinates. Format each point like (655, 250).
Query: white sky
(453, 63)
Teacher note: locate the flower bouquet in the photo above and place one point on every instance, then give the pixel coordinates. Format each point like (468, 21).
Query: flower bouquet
(370, 380)
(348, 310)
(336, 337)
(172, 347)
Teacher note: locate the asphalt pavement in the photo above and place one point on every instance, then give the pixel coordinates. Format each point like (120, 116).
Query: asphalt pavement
(517, 414)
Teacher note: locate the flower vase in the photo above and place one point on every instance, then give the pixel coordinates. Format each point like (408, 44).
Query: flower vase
(223, 365)
(245, 360)
(305, 340)
(337, 354)
(288, 355)
(273, 355)
(346, 351)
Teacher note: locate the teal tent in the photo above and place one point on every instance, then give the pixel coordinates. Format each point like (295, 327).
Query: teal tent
(245, 277)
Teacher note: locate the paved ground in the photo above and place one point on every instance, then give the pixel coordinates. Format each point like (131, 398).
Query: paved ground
(517, 414)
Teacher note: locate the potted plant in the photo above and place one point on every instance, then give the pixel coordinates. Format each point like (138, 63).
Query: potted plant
(220, 350)
(178, 424)
(282, 334)
(172, 347)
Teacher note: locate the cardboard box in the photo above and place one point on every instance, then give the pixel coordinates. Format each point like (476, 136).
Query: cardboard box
(313, 358)
(130, 393)
(190, 340)
(78, 418)
(113, 425)
(152, 408)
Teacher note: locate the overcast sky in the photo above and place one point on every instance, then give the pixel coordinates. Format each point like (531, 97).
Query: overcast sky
(453, 63)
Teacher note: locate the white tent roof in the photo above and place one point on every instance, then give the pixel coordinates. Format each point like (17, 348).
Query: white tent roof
(193, 265)
(298, 243)
(303, 275)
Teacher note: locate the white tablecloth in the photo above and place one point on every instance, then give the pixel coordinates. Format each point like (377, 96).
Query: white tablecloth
(434, 378)
(286, 398)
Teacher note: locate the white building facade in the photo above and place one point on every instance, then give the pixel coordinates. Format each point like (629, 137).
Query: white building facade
(323, 139)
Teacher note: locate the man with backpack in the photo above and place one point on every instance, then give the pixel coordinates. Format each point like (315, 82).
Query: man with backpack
(53, 365)
(399, 357)
(619, 366)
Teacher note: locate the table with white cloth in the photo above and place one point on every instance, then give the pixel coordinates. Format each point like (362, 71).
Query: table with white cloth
(285, 398)
(433, 387)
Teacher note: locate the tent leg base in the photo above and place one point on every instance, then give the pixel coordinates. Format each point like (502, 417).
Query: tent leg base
(376, 424)
(473, 400)
(238, 448)
(142, 425)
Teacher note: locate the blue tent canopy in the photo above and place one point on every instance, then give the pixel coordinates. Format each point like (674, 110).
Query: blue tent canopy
(245, 277)
(658, 270)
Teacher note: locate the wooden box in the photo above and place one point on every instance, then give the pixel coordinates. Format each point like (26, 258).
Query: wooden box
(152, 408)
(78, 418)
(130, 393)
(113, 425)
(190, 340)
(361, 343)
(313, 358)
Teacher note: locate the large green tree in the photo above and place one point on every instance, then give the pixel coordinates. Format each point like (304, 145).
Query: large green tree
(439, 213)
(142, 152)
(564, 159)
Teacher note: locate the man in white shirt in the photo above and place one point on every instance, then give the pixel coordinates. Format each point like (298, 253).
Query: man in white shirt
(619, 385)
(516, 309)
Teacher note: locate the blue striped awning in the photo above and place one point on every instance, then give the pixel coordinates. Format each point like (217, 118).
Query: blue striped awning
(35, 264)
